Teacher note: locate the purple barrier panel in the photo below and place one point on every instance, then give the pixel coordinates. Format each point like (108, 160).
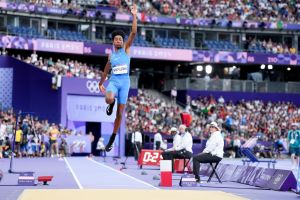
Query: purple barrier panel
(283, 180)
(208, 171)
(221, 169)
(245, 175)
(254, 175)
(237, 173)
(203, 169)
(226, 176)
(264, 177)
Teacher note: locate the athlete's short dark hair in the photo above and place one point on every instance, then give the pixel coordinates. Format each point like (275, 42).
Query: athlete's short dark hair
(118, 32)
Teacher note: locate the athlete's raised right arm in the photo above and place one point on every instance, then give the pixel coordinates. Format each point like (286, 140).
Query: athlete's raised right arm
(104, 75)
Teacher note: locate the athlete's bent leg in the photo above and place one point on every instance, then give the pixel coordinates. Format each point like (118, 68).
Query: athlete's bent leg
(117, 125)
(110, 99)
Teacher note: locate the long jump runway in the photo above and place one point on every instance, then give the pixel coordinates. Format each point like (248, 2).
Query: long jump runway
(91, 178)
(91, 174)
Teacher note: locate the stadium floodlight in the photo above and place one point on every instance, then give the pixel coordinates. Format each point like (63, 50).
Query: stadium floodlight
(263, 66)
(208, 69)
(199, 68)
(270, 67)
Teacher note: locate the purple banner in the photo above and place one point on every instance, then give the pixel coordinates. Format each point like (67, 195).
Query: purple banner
(162, 53)
(244, 57)
(142, 52)
(25, 7)
(286, 59)
(13, 42)
(96, 49)
(59, 46)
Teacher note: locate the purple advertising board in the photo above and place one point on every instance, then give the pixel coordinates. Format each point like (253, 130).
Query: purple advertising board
(59, 46)
(226, 176)
(221, 169)
(89, 48)
(283, 180)
(205, 169)
(162, 53)
(254, 175)
(245, 57)
(246, 174)
(264, 177)
(14, 42)
(238, 173)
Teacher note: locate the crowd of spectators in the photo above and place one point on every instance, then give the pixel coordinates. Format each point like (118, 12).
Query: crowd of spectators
(266, 119)
(270, 122)
(151, 114)
(60, 67)
(262, 10)
(269, 46)
(33, 138)
(256, 10)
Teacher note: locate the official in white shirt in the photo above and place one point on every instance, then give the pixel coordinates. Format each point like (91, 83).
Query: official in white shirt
(157, 140)
(164, 145)
(176, 139)
(213, 151)
(136, 140)
(183, 149)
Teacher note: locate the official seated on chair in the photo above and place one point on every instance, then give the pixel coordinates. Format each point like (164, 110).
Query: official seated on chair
(213, 152)
(182, 146)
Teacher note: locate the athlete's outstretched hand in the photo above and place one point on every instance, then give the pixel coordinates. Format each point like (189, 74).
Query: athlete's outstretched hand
(133, 9)
(102, 89)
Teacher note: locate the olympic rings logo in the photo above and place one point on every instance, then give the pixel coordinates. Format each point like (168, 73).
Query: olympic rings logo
(92, 86)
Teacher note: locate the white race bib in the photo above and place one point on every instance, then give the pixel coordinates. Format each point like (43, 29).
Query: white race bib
(120, 69)
(292, 141)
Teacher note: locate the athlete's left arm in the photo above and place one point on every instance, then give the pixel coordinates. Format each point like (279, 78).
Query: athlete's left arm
(133, 30)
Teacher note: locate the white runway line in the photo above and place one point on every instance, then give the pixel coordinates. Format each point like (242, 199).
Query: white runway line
(122, 173)
(73, 174)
